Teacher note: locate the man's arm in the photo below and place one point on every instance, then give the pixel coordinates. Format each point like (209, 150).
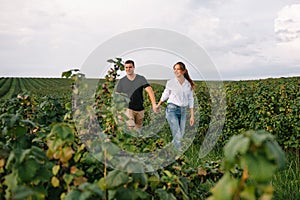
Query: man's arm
(150, 92)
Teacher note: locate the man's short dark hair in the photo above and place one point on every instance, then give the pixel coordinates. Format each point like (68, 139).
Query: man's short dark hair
(129, 62)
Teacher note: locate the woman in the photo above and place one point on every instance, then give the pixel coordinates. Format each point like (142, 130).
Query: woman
(179, 92)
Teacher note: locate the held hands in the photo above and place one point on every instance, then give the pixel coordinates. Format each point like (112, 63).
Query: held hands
(155, 108)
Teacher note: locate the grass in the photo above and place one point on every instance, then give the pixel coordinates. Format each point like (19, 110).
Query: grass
(192, 155)
(287, 181)
(213, 157)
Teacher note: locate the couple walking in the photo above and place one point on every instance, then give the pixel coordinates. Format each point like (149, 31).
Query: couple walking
(178, 92)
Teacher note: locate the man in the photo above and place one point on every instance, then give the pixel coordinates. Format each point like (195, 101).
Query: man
(132, 85)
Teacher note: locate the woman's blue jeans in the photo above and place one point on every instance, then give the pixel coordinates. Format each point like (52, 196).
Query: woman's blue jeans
(176, 117)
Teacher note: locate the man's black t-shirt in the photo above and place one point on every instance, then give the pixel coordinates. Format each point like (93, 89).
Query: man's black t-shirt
(134, 90)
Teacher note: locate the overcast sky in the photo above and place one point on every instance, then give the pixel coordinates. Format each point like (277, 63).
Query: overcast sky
(245, 39)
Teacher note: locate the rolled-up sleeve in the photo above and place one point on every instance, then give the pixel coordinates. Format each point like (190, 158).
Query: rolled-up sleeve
(190, 99)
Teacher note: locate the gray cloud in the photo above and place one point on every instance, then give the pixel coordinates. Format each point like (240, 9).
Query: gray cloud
(49, 36)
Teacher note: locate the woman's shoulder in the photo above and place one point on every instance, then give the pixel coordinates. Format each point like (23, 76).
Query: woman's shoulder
(171, 82)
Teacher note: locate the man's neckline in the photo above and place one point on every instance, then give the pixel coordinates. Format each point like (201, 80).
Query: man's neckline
(132, 79)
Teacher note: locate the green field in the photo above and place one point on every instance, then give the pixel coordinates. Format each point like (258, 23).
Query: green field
(10, 87)
(42, 157)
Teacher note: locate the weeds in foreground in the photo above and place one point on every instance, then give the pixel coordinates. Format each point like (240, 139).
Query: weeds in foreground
(287, 181)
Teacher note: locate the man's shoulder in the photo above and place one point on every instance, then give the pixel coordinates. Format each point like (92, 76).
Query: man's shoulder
(142, 81)
(124, 78)
(140, 76)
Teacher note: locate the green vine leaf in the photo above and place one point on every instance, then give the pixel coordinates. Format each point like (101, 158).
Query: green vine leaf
(260, 169)
(238, 145)
(224, 189)
(115, 179)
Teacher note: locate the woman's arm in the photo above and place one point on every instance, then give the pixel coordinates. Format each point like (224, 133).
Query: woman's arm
(191, 106)
(192, 120)
(164, 96)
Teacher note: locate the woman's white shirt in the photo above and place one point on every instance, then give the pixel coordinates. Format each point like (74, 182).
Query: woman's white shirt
(178, 94)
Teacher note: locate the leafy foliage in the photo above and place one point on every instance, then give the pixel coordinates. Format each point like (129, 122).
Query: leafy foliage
(270, 104)
(44, 156)
(259, 155)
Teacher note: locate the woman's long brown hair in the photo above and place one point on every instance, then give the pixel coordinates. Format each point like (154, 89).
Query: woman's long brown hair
(186, 73)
